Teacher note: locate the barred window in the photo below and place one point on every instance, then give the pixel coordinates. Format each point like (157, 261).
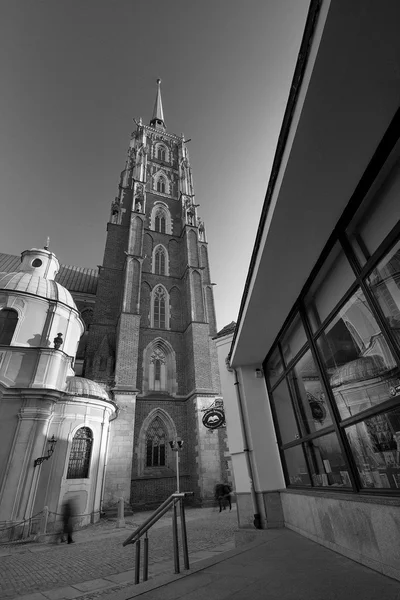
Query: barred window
(155, 444)
(81, 450)
(8, 323)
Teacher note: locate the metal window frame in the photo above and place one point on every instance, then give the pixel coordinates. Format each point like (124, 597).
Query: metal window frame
(339, 234)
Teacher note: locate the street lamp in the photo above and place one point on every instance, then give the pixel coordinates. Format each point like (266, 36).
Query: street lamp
(176, 445)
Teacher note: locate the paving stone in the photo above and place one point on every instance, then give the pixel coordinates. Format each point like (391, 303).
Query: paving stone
(98, 554)
(93, 584)
(122, 577)
(62, 593)
(34, 596)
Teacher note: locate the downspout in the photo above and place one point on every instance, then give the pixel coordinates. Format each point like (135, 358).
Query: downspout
(256, 509)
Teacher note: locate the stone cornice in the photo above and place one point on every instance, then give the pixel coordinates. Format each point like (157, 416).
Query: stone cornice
(172, 136)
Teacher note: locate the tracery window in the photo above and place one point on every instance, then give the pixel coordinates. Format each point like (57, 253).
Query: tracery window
(81, 450)
(159, 308)
(161, 185)
(156, 444)
(8, 323)
(159, 260)
(161, 153)
(160, 221)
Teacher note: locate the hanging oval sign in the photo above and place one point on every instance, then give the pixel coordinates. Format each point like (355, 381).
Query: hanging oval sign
(214, 418)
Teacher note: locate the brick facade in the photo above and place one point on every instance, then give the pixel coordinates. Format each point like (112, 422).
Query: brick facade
(150, 341)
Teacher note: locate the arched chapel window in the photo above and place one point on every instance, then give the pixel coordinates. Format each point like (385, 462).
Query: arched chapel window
(161, 153)
(161, 185)
(160, 221)
(159, 308)
(81, 450)
(8, 323)
(155, 444)
(159, 262)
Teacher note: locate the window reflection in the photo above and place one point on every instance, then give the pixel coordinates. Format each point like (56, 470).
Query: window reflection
(307, 388)
(284, 412)
(328, 467)
(362, 371)
(332, 282)
(297, 466)
(274, 368)
(375, 443)
(294, 339)
(384, 283)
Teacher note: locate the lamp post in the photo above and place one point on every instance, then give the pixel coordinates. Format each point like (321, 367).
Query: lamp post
(176, 445)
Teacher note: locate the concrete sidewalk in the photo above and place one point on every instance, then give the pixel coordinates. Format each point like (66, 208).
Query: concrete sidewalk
(282, 565)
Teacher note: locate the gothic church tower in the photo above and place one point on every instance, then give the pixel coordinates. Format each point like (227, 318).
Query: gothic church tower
(151, 338)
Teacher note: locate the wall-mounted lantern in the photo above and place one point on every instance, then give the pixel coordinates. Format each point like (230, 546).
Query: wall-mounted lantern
(51, 445)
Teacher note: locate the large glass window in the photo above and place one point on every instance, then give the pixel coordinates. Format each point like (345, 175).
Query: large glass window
(357, 358)
(294, 339)
(307, 388)
(327, 464)
(296, 466)
(332, 282)
(333, 374)
(274, 367)
(375, 443)
(285, 413)
(384, 283)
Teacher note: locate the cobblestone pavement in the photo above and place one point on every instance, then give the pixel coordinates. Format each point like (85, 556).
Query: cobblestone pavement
(98, 552)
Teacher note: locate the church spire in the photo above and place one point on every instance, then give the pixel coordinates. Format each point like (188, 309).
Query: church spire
(157, 119)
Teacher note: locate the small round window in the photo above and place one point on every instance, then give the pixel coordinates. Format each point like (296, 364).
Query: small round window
(37, 262)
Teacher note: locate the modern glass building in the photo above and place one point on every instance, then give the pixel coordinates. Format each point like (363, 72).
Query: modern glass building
(316, 351)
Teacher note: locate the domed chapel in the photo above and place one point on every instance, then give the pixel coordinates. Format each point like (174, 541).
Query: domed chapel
(101, 369)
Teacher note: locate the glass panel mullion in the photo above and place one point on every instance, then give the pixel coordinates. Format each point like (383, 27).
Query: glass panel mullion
(343, 442)
(374, 305)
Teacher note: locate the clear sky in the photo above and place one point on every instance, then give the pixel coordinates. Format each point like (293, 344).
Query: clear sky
(75, 72)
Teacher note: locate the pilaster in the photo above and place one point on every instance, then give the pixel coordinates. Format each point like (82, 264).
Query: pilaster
(118, 470)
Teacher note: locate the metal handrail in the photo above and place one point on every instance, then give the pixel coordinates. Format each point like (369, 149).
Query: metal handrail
(134, 538)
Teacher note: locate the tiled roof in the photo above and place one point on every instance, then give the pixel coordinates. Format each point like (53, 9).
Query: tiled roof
(227, 329)
(75, 279)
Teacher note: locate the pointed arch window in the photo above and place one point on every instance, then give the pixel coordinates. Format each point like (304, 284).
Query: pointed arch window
(159, 308)
(161, 153)
(79, 458)
(156, 444)
(160, 221)
(159, 262)
(8, 324)
(161, 185)
(158, 370)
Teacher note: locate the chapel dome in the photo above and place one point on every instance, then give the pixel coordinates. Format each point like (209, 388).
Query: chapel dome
(35, 275)
(363, 368)
(37, 286)
(86, 388)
